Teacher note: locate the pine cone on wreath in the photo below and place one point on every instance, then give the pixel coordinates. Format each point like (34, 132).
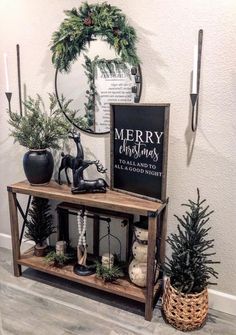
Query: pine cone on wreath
(116, 31)
(88, 21)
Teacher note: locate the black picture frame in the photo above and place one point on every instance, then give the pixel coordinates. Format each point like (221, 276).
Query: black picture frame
(139, 149)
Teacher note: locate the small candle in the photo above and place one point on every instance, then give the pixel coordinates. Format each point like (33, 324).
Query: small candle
(60, 247)
(6, 72)
(107, 260)
(195, 63)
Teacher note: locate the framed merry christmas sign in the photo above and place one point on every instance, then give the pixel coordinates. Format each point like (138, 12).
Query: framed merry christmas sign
(139, 147)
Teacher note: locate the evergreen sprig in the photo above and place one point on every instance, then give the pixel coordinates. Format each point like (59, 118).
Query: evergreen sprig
(91, 93)
(108, 274)
(84, 24)
(41, 129)
(190, 267)
(73, 114)
(40, 226)
(109, 67)
(54, 259)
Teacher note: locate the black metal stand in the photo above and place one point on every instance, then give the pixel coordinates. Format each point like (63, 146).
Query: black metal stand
(80, 269)
(84, 270)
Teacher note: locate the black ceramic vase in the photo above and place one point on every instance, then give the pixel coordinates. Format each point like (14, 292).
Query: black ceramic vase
(38, 165)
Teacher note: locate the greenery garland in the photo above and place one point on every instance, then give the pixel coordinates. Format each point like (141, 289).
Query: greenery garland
(91, 93)
(83, 25)
(107, 67)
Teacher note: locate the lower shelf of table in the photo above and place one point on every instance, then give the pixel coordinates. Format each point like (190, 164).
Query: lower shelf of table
(122, 287)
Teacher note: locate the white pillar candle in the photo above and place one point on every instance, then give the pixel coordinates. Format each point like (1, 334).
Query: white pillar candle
(60, 247)
(195, 63)
(6, 72)
(107, 260)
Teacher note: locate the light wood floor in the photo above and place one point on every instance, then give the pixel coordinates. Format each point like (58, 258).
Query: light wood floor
(29, 307)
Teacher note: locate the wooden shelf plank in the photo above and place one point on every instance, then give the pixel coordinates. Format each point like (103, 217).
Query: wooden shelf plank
(76, 207)
(122, 287)
(112, 200)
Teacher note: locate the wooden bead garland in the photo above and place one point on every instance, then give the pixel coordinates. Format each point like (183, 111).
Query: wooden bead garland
(82, 244)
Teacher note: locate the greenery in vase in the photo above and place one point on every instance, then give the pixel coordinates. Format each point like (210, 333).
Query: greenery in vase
(40, 225)
(108, 274)
(190, 267)
(38, 129)
(54, 259)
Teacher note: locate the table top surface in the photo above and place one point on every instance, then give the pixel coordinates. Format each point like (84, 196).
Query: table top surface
(112, 200)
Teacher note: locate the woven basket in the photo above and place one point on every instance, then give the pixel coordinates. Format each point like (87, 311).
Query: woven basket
(184, 311)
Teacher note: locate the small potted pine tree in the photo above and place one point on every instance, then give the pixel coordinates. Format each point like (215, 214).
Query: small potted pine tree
(185, 299)
(40, 226)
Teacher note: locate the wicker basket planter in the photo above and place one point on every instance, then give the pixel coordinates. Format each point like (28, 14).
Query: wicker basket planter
(184, 311)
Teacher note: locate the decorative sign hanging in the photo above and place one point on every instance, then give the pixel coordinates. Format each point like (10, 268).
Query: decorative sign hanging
(112, 87)
(139, 143)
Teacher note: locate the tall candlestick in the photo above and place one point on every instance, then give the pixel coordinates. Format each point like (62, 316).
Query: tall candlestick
(195, 63)
(6, 72)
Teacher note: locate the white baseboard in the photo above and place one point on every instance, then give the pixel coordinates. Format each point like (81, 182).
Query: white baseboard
(222, 302)
(5, 242)
(219, 301)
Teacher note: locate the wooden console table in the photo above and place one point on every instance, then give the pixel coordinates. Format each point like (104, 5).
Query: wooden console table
(111, 200)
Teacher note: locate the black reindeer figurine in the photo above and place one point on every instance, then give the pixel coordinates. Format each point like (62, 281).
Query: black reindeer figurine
(89, 186)
(77, 164)
(69, 161)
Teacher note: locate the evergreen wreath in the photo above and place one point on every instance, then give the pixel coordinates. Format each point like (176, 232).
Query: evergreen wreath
(83, 25)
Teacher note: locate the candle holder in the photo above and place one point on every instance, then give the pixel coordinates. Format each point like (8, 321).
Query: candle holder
(19, 76)
(195, 96)
(194, 101)
(9, 95)
(137, 88)
(110, 236)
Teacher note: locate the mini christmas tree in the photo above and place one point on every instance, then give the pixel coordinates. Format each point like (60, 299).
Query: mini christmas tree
(191, 267)
(40, 226)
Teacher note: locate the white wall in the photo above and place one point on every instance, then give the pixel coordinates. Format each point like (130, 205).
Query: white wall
(167, 31)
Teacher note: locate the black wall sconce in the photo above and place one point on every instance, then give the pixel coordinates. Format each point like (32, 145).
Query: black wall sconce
(196, 81)
(8, 93)
(137, 88)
